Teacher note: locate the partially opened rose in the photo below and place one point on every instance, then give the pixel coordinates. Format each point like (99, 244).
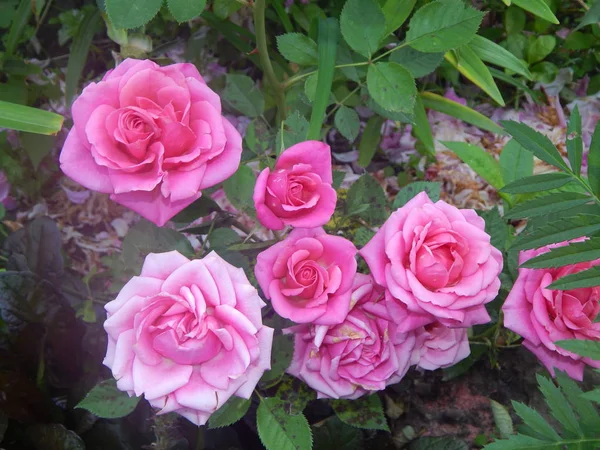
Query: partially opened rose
(356, 357)
(152, 137)
(437, 263)
(308, 276)
(543, 316)
(298, 191)
(187, 335)
(438, 346)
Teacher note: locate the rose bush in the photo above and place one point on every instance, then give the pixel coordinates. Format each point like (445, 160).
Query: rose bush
(543, 316)
(437, 263)
(187, 335)
(308, 276)
(357, 357)
(298, 191)
(152, 137)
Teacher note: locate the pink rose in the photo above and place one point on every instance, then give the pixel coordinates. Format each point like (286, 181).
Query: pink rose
(187, 335)
(437, 263)
(438, 346)
(543, 316)
(308, 276)
(356, 357)
(152, 137)
(298, 192)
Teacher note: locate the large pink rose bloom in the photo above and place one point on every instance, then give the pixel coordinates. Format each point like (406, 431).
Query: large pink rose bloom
(437, 263)
(356, 357)
(152, 137)
(298, 192)
(308, 276)
(439, 347)
(187, 335)
(543, 316)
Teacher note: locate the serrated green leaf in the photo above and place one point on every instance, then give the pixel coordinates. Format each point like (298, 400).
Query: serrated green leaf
(575, 141)
(594, 161)
(588, 415)
(392, 86)
(537, 183)
(417, 63)
(515, 162)
(496, 227)
(369, 142)
(106, 401)
(410, 191)
(347, 122)
(535, 420)
(295, 130)
(396, 12)
(466, 61)
(461, 112)
(335, 434)
(538, 7)
(547, 204)
(573, 253)
(202, 207)
(365, 412)
(558, 231)
(586, 348)
(241, 93)
(280, 431)
(484, 164)
(363, 25)
(536, 143)
(132, 13)
(493, 53)
(298, 48)
(338, 178)
(442, 26)
(184, 10)
(559, 406)
(295, 394)
(521, 442)
(240, 187)
(592, 395)
(583, 279)
(437, 443)
(366, 195)
(228, 414)
(502, 419)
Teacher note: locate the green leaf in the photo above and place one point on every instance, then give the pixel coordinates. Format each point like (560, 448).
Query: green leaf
(225, 8)
(492, 53)
(19, 22)
(396, 12)
(79, 51)
(484, 164)
(466, 61)
(534, 419)
(592, 395)
(514, 20)
(338, 178)
(588, 415)
(437, 443)
(417, 63)
(295, 394)
(37, 146)
(240, 187)
(132, 13)
(547, 204)
(461, 112)
(591, 17)
(443, 25)
(496, 227)
(392, 86)
(328, 37)
(538, 7)
(558, 231)
(298, 48)
(281, 356)
(559, 406)
(347, 122)
(335, 434)
(516, 163)
(583, 279)
(54, 436)
(541, 47)
(537, 183)
(33, 120)
(280, 431)
(241, 93)
(536, 143)
(594, 161)
(422, 128)
(410, 191)
(365, 412)
(521, 442)
(106, 401)
(369, 142)
(366, 195)
(502, 419)
(184, 10)
(228, 414)
(295, 130)
(363, 25)
(202, 207)
(573, 253)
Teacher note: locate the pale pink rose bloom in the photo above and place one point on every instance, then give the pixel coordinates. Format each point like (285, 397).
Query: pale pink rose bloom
(187, 335)
(308, 276)
(356, 357)
(298, 192)
(543, 316)
(152, 137)
(439, 347)
(437, 263)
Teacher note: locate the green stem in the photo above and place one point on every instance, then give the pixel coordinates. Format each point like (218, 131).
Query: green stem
(341, 102)
(263, 54)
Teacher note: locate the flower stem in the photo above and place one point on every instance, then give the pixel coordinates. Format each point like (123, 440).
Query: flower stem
(263, 54)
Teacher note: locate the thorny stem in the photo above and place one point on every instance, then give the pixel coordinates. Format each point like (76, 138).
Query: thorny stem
(263, 54)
